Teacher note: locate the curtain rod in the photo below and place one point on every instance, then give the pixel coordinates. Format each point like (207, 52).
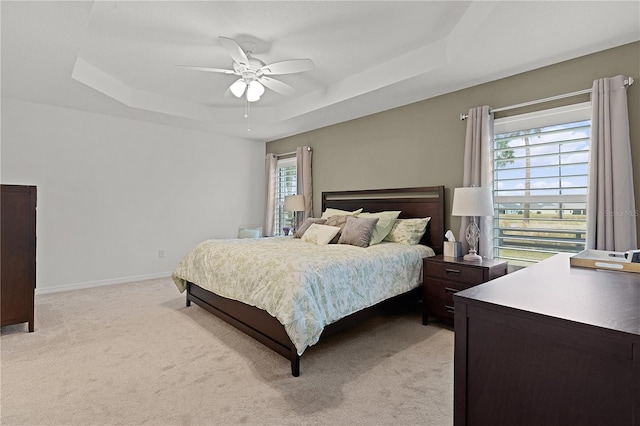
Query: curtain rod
(284, 154)
(627, 82)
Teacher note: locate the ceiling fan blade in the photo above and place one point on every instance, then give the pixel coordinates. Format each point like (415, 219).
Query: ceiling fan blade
(288, 67)
(207, 69)
(277, 86)
(234, 50)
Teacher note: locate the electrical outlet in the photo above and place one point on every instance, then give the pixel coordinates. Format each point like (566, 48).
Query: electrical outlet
(161, 253)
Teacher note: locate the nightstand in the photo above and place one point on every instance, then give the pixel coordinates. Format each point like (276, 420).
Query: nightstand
(444, 276)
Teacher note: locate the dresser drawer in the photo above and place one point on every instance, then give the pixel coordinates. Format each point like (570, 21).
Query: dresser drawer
(459, 273)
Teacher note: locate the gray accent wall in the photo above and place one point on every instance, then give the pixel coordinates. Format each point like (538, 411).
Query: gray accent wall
(422, 144)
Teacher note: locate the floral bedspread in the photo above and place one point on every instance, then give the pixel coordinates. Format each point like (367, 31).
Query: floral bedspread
(303, 285)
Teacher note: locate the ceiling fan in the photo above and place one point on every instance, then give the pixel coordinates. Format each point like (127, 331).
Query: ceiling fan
(254, 74)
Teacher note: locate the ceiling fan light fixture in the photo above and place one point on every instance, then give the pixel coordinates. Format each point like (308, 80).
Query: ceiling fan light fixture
(238, 88)
(252, 72)
(254, 91)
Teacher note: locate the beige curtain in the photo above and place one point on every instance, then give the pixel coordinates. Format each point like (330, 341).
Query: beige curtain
(271, 163)
(304, 185)
(611, 211)
(477, 172)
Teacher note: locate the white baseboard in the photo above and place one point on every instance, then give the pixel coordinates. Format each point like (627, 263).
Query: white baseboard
(91, 284)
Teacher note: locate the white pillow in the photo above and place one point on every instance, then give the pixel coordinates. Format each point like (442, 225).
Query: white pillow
(407, 231)
(386, 220)
(336, 212)
(320, 234)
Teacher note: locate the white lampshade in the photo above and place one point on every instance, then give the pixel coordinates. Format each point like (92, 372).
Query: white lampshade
(294, 203)
(254, 91)
(238, 87)
(472, 201)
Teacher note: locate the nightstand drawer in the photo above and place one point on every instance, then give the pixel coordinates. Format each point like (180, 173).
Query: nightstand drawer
(438, 296)
(445, 276)
(470, 275)
(442, 291)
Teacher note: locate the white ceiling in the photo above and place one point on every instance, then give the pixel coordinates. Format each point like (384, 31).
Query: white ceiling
(119, 57)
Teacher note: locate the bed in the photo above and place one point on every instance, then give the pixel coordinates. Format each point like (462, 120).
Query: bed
(380, 274)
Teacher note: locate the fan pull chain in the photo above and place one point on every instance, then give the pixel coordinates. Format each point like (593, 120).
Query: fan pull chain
(246, 114)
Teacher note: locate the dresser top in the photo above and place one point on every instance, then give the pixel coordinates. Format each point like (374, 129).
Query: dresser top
(607, 299)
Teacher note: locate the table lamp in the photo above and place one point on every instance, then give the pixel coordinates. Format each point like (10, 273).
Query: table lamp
(472, 201)
(294, 203)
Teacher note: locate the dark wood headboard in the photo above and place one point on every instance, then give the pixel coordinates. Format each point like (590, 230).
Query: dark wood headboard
(426, 201)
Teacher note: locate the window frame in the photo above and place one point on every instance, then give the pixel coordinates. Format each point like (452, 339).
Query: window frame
(282, 218)
(578, 112)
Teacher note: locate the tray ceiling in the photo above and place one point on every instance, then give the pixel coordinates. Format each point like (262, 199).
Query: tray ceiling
(119, 58)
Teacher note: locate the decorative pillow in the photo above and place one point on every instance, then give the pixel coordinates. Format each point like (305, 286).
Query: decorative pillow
(384, 225)
(407, 231)
(320, 234)
(357, 231)
(336, 212)
(338, 221)
(306, 224)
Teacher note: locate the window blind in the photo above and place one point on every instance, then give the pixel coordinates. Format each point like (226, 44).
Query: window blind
(286, 184)
(540, 189)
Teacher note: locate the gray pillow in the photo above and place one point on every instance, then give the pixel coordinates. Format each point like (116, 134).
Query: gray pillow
(306, 224)
(357, 231)
(339, 221)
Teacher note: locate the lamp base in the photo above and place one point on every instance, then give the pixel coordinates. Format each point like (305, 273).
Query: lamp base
(472, 256)
(473, 234)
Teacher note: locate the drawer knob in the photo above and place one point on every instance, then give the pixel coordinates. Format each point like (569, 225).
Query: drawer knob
(452, 271)
(450, 290)
(450, 309)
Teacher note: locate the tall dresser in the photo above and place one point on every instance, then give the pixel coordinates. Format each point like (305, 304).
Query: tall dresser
(18, 254)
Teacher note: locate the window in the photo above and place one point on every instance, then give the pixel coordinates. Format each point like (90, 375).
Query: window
(286, 184)
(540, 165)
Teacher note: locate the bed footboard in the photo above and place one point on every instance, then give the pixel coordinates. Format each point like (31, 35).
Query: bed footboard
(251, 320)
(269, 331)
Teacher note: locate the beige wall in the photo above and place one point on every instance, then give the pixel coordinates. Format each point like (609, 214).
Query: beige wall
(422, 144)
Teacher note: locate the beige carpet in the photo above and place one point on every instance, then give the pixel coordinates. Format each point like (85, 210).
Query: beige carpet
(134, 354)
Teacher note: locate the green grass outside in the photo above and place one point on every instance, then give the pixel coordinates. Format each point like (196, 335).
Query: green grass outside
(538, 221)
